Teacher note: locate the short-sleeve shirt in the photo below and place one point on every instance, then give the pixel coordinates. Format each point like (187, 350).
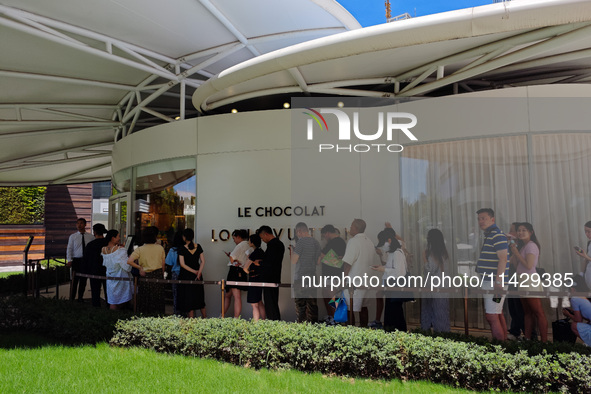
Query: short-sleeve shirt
(191, 259)
(529, 248)
(583, 305)
(256, 271)
(360, 254)
(308, 250)
(149, 256)
(240, 253)
(338, 246)
(172, 259)
(488, 261)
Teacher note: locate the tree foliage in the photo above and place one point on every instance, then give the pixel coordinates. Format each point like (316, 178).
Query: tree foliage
(22, 205)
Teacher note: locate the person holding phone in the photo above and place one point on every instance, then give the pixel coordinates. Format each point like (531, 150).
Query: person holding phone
(435, 307)
(525, 255)
(191, 296)
(395, 266)
(255, 273)
(237, 260)
(585, 265)
(493, 266)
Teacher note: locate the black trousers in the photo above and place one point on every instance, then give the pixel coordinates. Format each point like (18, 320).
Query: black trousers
(95, 289)
(394, 315)
(271, 300)
(517, 316)
(78, 282)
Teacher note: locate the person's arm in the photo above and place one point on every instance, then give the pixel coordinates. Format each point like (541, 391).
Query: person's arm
(320, 258)
(584, 262)
(202, 258)
(163, 261)
(346, 267)
(501, 267)
(576, 316)
(583, 254)
(132, 261)
(70, 250)
(514, 253)
(185, 266)
(294, 257)
(248, 263)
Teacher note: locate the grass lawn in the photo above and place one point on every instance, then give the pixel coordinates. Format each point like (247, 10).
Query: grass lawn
(7, 274)
(58, 369)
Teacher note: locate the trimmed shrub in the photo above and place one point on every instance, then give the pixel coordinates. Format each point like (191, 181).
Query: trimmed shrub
(358, 352)
(63, 321)
(47, 277)
(533, 348)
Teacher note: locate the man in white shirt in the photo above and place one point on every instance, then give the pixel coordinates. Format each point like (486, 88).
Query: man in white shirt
(359, 256)
(75, 256)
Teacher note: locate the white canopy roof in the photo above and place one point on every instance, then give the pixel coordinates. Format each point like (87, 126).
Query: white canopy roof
(77, 74)
(514, 43)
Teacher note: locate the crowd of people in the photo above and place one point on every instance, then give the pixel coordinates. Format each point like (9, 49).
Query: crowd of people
(501, 256)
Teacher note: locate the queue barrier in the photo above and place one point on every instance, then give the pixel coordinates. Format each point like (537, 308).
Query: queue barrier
(468, 292)
(32, 282)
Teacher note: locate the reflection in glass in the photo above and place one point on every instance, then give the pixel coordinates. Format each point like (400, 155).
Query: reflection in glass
(165, 200)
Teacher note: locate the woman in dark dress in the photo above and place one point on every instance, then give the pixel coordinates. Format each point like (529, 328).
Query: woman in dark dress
(255, 274)
(191, 258)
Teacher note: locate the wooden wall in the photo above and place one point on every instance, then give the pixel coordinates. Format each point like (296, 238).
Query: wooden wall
(63, 206)
(13, 239)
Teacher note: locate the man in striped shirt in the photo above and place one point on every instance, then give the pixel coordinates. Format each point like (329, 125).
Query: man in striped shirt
(493, 265)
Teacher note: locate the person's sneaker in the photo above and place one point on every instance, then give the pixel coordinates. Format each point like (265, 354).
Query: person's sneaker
(376, 324)
(329, 321)
(512, 337)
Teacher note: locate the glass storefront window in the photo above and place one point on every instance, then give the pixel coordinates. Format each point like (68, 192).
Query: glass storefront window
(165, 197)
(122, 181)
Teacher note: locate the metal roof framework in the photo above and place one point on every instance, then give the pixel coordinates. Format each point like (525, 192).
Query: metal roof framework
(508, 44)
(111, 86)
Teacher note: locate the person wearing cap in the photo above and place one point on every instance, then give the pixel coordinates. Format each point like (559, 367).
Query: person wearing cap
(93, 264)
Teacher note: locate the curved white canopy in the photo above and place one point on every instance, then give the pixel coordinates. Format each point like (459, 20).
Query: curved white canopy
(513, 43)
(77, 74)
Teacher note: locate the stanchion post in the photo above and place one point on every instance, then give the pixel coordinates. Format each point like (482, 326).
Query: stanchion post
(57, 284)
(466, 329)
(47, 286)
(223, 288)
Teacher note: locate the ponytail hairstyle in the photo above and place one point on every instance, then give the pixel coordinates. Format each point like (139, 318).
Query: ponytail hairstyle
(189, 234)
(436, 246)
(533, 237)
(110, 235)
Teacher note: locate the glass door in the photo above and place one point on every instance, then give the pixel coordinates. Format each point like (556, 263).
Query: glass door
(119, 212)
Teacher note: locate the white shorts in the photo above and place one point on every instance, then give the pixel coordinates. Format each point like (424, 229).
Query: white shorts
(360, 299)
(491, 307)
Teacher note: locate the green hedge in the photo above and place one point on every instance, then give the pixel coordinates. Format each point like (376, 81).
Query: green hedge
(533, 348)
(359, 352)
(63, 321)
(47, 277)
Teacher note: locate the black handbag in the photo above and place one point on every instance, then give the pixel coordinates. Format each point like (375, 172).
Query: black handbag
(561, 331)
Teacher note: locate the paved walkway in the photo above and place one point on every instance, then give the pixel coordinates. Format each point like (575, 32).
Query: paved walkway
(12, 268)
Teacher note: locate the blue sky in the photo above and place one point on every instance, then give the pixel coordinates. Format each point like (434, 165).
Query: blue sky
(373, 12)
